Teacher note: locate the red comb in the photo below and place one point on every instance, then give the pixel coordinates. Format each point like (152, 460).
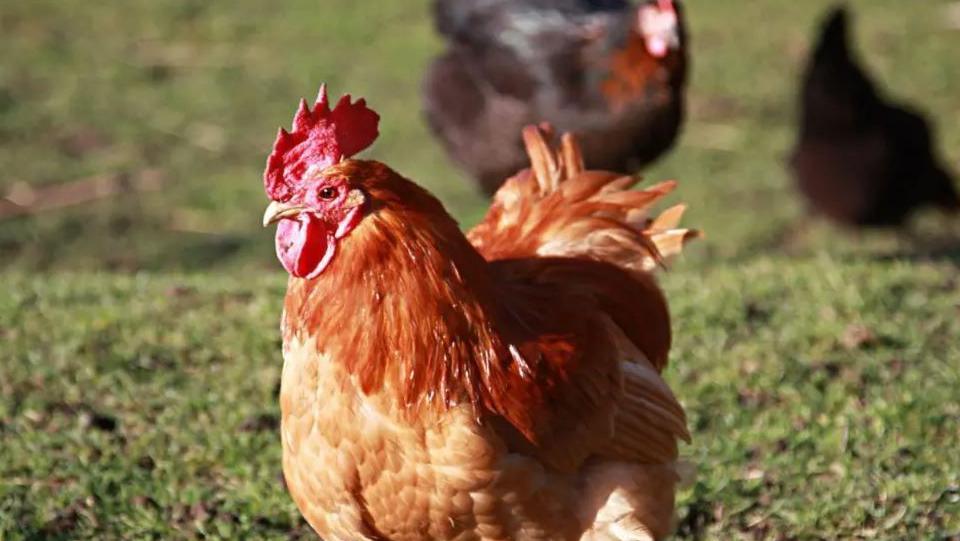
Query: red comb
(318, 138)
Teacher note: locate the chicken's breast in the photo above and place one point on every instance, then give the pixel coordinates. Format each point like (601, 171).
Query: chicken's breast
(353, 463)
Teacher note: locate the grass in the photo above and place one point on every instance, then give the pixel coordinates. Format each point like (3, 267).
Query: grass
(143, 407)
(819, 368)
(196, 90)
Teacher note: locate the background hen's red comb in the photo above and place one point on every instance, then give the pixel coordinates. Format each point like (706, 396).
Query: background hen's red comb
(318, 138)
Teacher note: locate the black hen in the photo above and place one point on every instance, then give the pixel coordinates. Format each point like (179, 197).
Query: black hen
(612, 72)
(861, 160)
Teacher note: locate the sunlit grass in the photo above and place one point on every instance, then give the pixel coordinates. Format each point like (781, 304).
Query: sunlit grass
(820, 369)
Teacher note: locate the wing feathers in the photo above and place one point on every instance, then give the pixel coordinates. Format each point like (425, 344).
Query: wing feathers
(559, 237)
(650, 420)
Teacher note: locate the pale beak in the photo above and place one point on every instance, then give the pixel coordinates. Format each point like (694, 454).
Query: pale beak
(277, 211)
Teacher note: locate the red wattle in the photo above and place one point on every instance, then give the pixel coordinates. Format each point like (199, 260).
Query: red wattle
(305, 245)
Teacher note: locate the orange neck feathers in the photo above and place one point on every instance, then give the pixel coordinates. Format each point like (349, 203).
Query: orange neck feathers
(406, 269)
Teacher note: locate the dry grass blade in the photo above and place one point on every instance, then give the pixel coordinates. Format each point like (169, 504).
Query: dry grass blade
(25, 200)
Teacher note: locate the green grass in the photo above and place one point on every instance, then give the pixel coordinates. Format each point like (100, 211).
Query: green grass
(144, 407)
(820, 369)
(197, 89)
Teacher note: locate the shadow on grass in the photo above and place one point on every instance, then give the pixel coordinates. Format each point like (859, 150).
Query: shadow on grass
(939, 251)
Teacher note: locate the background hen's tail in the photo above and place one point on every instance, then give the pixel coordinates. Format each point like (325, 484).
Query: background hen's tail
(945, 194)
(556, 208)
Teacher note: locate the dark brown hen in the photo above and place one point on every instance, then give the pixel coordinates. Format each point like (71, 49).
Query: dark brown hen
(861, 160)
(611, 72)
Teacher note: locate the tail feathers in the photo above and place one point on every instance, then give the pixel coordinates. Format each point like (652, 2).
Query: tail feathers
(833, 34)
(557, 208)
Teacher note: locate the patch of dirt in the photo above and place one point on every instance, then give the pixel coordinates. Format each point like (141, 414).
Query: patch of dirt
(68, 519)
(858, 337)
(262, 422)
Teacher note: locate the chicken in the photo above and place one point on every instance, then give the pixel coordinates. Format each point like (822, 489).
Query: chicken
(502, 385)
(611, 72)
(861, 160)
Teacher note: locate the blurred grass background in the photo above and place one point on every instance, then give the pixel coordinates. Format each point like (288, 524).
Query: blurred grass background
(191, 93)
(820, 369)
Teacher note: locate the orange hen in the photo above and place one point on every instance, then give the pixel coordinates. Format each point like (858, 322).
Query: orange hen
(504, 385)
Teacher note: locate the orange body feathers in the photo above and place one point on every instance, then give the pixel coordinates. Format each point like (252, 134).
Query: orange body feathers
(500, 385)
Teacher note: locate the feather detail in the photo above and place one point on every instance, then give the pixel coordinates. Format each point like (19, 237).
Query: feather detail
(555, 208)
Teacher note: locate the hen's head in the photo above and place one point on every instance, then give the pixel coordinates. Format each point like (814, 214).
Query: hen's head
(659, 24)
(315, 202)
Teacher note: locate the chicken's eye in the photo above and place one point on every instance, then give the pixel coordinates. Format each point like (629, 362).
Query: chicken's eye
(328, 193)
